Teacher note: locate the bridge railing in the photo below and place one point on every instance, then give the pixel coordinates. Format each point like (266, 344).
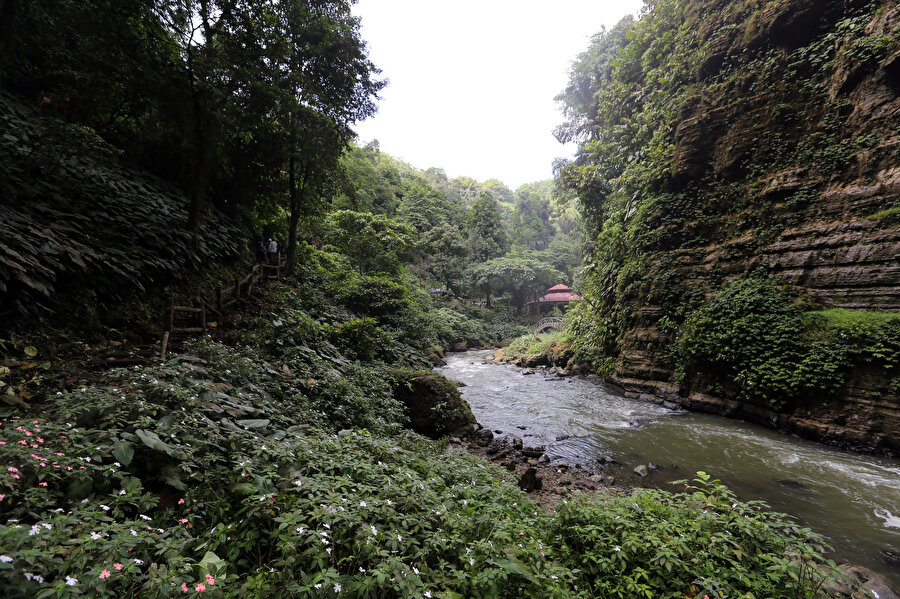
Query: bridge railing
(551, 322)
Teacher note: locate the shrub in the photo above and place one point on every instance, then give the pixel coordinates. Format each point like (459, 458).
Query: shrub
(705, 542)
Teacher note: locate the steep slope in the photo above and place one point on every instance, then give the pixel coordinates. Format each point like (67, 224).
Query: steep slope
(752, 139)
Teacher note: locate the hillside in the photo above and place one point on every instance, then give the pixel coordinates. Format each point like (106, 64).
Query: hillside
(746, 151)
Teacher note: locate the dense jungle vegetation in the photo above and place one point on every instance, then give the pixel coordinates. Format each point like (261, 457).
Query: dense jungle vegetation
(708, 134)
(145, 147)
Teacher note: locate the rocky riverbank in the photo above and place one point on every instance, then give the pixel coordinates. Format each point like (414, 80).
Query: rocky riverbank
(550, 482)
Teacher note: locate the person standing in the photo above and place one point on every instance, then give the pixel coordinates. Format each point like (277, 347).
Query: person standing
(273, 252)
(261, 251)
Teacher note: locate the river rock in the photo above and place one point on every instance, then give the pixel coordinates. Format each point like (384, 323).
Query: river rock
(607, 460)
(641, 470)
(527, 372)
(652, 467)
(876, 584)
(436, 356)
(511, 465)
(484, 433)
(544, 459)
(530, 481)
(597, 478)
(433, 404)
(534, 452)
(459, 347)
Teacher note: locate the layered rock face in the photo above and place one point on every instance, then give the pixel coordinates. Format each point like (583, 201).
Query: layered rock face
(786, 147)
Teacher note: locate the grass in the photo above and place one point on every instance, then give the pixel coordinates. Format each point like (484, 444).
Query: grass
(533, 344)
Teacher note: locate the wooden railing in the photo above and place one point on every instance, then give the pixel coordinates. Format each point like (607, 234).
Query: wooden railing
(188, 320)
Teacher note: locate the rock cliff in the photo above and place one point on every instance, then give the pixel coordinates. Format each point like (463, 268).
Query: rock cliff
(762, 139)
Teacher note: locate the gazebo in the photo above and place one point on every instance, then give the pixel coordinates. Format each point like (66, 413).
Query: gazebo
(558, 295)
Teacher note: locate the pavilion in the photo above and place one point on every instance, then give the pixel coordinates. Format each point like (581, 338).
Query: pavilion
(558, 295)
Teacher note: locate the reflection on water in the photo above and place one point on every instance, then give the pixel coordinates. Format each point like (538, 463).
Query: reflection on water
(852, 499)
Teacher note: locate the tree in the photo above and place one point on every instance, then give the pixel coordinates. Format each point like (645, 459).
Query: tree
(446, 249)
(374, 242)
(590, 72)
(485, 231)
(517, 276)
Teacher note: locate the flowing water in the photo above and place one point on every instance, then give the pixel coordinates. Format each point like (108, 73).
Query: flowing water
(854, 500)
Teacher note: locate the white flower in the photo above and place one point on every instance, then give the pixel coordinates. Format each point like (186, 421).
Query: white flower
(374, 530)
(34, 530)
(105, 508)
(617, 548)
(5, 559)
(117, 465)
(362, 504)
(70, 582)
(95, 536)
(298, 483)
(362, 570)
(122, 492)
(328, 550)
(318, 586)
(471, 561)
(133, 533)
(389, 502)
(46, 525)
(415, 570)
(300, 530)
(427, 593)
(147, 518)
(399, 538)
(139, 561)
(337, 587)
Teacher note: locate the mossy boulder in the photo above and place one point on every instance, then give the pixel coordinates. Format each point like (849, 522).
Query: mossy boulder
(433, 404)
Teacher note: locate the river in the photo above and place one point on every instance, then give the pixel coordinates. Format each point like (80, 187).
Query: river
(853, 500)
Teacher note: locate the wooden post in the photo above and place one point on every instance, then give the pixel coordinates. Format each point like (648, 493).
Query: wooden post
(165, 344)
(170, 314)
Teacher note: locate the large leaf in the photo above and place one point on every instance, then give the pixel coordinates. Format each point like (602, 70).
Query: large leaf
(123, 451)
(152, 440)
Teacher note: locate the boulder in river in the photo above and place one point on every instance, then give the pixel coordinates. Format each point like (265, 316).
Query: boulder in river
(641, 470)
(876, 584)
(530, 481)
(433, 404)
(534, 452)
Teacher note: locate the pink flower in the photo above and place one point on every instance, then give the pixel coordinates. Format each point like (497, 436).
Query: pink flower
(182, 520)
(42, 484)
(104, 574)
(184, 587)
(117, 566)
(181, 501)
(200, 587)
(13, 469)
(210, 580)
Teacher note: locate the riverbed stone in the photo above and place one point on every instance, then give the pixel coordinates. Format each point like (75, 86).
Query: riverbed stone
(433, 404)
(874, 583)
(517, 444)
(641, 470)
(530, 481)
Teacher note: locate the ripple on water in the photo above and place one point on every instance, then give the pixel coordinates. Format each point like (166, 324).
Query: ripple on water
(850, 498)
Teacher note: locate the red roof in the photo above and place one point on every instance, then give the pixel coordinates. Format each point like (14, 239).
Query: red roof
(559, 297)
(559, 287)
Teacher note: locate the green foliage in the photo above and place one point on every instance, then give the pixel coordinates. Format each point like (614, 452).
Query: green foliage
(705, 542)
(374, 243)
(533, 344)
(75, 220)
(753, 342)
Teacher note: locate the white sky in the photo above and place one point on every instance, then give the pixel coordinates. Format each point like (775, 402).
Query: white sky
(472, 81)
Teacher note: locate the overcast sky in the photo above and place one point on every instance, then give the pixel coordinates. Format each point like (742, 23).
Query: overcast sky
(472, 81)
